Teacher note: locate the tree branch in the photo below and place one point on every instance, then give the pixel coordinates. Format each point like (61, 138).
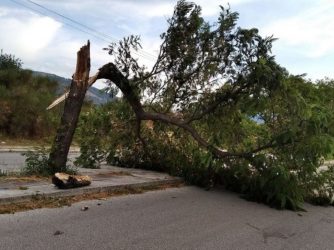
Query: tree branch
(110, 71)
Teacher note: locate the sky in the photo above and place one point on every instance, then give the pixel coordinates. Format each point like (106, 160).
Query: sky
(48, 42)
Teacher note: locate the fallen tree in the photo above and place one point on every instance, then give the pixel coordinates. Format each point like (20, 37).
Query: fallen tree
(221, 85)
(193, 61)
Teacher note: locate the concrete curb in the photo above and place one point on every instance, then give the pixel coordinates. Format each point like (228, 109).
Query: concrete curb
(90, 190)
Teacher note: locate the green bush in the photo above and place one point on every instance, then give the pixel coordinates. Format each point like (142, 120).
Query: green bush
(3, 173)
(36, 163)
(274, 185)
(321, 188)
(92, 136)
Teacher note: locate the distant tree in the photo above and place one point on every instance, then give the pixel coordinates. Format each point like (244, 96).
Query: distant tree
(8, 61)
(23, 97)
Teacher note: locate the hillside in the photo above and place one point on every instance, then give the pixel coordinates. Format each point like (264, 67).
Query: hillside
(93, 94)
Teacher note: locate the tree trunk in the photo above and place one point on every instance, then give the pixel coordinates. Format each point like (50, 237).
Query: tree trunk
(65, 181)
(72, 108)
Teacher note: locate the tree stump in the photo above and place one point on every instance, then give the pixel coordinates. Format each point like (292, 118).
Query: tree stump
(65, 181)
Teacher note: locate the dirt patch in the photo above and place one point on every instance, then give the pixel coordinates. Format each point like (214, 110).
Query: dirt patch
(21, 182)
(39, 201)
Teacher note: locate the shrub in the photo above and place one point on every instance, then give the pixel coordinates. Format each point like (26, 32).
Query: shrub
(3, 173)
(36, 163)
(274, 186)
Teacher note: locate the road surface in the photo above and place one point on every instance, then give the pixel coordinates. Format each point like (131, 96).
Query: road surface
(14, 161)
(179, 218)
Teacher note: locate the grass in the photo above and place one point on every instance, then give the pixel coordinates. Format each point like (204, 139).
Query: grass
(39, 201)
(24, 142)
(17, 178)
(28, 142)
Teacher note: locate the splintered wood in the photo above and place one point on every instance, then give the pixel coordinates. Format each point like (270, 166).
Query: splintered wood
(72, 108)
(65, 181)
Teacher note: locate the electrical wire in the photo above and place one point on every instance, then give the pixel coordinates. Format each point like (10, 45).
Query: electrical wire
(99, 35)
(86, 27)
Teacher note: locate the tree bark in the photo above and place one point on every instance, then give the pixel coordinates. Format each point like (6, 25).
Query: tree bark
(65, 181)
(72, 108)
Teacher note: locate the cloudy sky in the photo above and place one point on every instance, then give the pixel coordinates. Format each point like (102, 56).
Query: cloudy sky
(48, 42)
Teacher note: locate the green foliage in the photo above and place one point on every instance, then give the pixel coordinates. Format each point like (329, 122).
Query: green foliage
(223, 82)
(36, 163)
(23, 99)
(273, 185)
(321, 186)
(9, 62)
(94, 126)
(283, 176)
(3, 173)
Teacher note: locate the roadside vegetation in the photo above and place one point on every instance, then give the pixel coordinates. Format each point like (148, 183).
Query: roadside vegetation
(36, 163)
(215, 109)
(23, 98)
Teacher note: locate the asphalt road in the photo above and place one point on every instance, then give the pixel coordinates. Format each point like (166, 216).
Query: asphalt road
(14, 161)
(182, 218)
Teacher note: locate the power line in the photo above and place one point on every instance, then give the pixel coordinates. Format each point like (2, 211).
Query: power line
(41, 13)
(84, 26)
(100, 37)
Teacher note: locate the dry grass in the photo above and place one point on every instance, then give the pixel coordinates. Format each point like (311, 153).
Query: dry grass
(6, 141)
(40, 201)
(23, 179)
(24, 142)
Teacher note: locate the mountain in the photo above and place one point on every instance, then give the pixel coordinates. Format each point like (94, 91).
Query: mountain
(93, 94)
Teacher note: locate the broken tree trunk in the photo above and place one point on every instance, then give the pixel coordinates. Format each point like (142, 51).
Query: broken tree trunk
(64, 181)
(72, 108)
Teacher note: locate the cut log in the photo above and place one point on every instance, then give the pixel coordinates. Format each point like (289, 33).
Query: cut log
(64, 181)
